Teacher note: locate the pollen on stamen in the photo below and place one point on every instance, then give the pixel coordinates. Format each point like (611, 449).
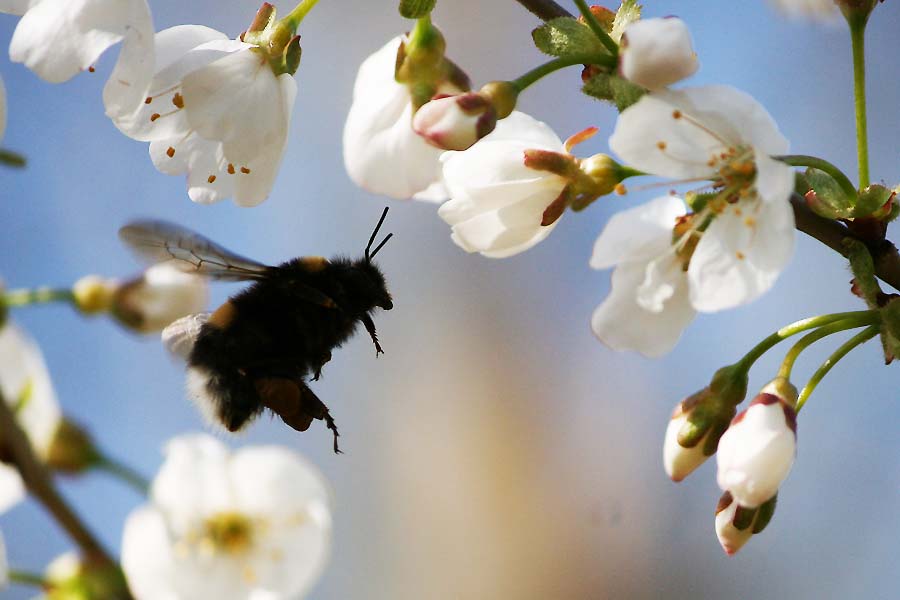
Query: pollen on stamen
(154, 117)
(661, 145)
(230, 169)
(91, 69)
(148, 100)
(170, 152)
(178, 100)
(739, 255)
(211, 179)
(676, 114)
(245, 170)
(620, 189)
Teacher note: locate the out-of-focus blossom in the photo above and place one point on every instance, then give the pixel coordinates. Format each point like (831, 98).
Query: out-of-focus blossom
(71, 577)
(818, 10)
(254, 523)
(27, 389)
(648, 306)
(656, 53)
(161, 295)
(723, 135)
(757, 451)
(382, 153)
(497, 201)
(217, 111)
(57, 39)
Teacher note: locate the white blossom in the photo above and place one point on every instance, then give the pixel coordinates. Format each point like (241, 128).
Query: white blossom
(496, 201)
(757, 451)
(28, 390)
(57, 39)
(723, 135)
(656, 53)
(382, 153)
(648, 306)
(455, 122)
(818, 10)
(255, 524)
(217, 112)
(161, 295)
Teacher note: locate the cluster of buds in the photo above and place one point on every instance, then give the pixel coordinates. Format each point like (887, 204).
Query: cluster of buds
(755, 449)
(147, 303)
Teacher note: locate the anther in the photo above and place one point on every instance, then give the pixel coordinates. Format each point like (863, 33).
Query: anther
(676, 114)
(154, 117)
(245, 170)
(91, 69)
(211, 179)
(178, 100)
(661, 145)
(148, 100)
(739, 255)
(170, 152)
(620, 189)
(230, 169)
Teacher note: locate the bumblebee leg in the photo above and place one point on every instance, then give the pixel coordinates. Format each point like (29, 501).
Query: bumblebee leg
(322, 360)
(315, 407)
(283, 397)
(370, 327)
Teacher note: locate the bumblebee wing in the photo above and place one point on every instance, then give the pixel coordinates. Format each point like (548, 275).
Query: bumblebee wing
(179, 337)
(161, 242)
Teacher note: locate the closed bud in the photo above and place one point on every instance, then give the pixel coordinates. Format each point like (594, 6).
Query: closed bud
(160, 296)
(699, 421)
(71, 450)
(70, 577)
(455, 122)
(94, 294)
(655, 53)
(736, 524)
(757, 451)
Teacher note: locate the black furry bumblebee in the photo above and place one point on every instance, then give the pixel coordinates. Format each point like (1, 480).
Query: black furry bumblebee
(257, 350)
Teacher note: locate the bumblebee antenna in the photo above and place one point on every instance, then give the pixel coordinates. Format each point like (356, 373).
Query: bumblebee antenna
(374, 233)
(381, 245)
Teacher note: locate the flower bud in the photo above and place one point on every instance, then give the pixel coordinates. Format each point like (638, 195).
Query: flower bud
(160, 296)
(757, 451)
(455, 122)
(657, 52)
(699, 421)
(71, 450)
(736, 524)
(93, 294)
(71, 577)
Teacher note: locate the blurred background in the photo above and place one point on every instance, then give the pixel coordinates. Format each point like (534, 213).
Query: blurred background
(497, 449)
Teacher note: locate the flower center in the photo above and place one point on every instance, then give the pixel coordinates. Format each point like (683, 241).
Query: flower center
(229, 532)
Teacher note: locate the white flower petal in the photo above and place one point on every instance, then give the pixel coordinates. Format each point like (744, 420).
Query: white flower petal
(127, 86)
(147, 555)
(17, 7)
(382, 153)
(57, 39)
(639, 233)
(657, 52)
(741, 254)
(774, 179)
(678, 461)
(620, 323)
(730, 537)
(12, 488)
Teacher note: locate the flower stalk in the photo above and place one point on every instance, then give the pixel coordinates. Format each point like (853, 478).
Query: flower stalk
(41, 295)
(28, 578)
(532, 76)
(123, 472)
(845, 348)
(858, 44)
(294, 18)
(802, 160)
(806, 341)
(597, 28)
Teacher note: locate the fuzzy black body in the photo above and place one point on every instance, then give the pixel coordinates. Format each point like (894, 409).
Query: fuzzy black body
(273, 336)
(258, 350)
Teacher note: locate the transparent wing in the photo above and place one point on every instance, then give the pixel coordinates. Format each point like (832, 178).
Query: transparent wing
(179, 337)
(160, 242)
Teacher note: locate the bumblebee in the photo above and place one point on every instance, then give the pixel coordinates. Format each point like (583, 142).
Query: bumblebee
(259, 348)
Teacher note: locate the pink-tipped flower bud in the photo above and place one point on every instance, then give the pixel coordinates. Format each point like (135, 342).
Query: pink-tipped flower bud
(455, 122)
(736, 524)
(656, 53)
(757, 451)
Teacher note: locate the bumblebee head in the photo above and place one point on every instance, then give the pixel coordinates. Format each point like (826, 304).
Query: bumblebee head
(377, 288)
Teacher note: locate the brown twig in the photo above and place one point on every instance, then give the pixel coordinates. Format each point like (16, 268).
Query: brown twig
(545, 9)
(38, 481)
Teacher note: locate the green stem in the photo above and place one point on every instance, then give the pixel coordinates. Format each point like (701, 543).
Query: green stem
(597, 28)
(42, 295)
(556, 64)
(807, 340)
(123, 472)
(841, 352)
(293, 18)
(27, 578)
(797, 327)
(11, 159)
(802, 160)
(858, 43)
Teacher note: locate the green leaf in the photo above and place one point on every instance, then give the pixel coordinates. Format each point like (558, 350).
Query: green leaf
(629, 12)
(890, 330)
(416, 9)
(565, 36)
(830, 200)
(613, 89)
(873, 199)
(863, 271)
